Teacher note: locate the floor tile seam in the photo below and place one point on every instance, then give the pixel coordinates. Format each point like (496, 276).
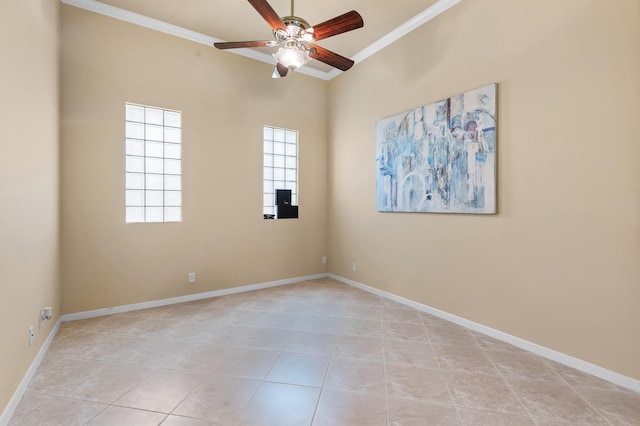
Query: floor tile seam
(181, 401)
(438, 354)
(546, 362)
(582, 397)
(386, 386)
(458, 415)
(487, 410)
(228, 345)
(82, 358)
(315, 410)
(203, 381)
(98, 334)
(111, 361)
(59, 338)
(182, 416)
(68, 397)
(55, 397)
(276, 382)
(404, 339)
(256, 310)
(334, 356)
(331, 356)
(359, 335)
(261, 326)
(430, 401)
(433, 350)
(444, 377)
(416, 367)
(264, 311)
(264, 379)
(97, 414)
(209, 372)
(363, 318)
(16, 416)
(64, 350)
(243, 410)
(449, 391)
(484, 410)
(324, 379)
(399, 322)
(506, 382)
(450, 402)
(257, 325)
(422, 320)
(151, 372)
(108, 331)
(564, 382)
(121, 334)
(358, 393)
(105, 406)
(278, 327)
(142, 409)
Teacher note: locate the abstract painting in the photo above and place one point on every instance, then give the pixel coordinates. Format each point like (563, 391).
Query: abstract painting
(440, 157)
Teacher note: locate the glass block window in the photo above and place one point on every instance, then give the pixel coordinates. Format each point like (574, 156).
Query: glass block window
(280, 166)
(153, 164)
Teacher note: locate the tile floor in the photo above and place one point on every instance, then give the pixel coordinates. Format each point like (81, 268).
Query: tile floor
(318, 352)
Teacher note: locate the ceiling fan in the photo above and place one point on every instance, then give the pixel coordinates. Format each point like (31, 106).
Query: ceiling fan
(294, 35)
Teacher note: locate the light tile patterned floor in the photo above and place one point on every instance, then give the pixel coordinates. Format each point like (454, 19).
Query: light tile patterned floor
(318, 352)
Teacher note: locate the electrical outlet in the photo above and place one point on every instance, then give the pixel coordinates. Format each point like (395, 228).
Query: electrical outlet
(324, 259)
(355, 266)
(31, 335)
(45, 315)
(192, 277)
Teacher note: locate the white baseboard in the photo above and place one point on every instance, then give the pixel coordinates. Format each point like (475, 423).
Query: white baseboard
(17, 395)
(187, 298)
(24, 383)
(578, 364)
(603, 373)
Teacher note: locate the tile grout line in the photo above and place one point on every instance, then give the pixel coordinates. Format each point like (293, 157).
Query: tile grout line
(384, 368)
(578, 393)
(428, 333)
(326, 373)
(504, 379)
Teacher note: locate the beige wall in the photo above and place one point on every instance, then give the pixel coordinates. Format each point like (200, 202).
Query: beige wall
(225, 100)
(29, 240)
(559, 265)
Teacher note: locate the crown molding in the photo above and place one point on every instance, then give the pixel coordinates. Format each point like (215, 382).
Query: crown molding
(177, 31)
(420, 19)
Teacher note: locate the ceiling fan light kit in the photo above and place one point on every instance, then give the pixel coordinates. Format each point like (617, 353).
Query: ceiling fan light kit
(294, 35)
(292, 55)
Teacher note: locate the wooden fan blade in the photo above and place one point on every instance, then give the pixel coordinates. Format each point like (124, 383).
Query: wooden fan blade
(241, 44)
(338, 25)
(266, 11)
(280, 71)
(330, 58)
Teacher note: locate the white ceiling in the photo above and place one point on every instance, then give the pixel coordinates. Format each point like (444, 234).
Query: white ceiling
(209, 21)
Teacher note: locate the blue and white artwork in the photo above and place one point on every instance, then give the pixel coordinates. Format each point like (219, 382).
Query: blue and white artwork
(440, 157)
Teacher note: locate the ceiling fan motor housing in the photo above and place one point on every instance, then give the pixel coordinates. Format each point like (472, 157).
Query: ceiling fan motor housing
(297, 28)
